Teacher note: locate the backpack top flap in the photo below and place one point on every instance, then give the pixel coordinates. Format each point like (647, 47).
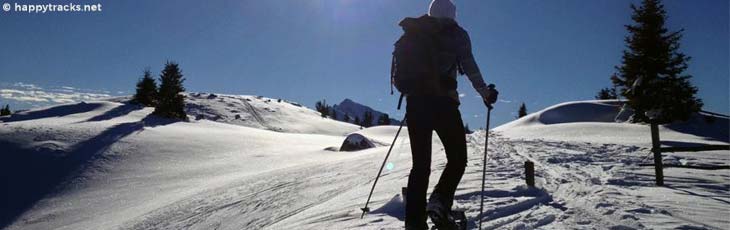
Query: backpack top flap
(416, 57)
(423, 24)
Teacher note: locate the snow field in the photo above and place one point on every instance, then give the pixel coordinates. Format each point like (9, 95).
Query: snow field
(265, 165)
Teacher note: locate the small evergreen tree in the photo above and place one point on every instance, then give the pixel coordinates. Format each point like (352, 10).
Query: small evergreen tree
(367, 119)
(146, 90)
(333, 113)
(384, 119)
(170, 101)
(651, 75)
(357, 121)
(322, 108)
(346, 118)
(467, 130)
(606, 94)
(5, 110)
(522, 111)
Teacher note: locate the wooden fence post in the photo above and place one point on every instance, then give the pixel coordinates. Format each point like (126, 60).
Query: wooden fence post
(656, 149)
(530, 173)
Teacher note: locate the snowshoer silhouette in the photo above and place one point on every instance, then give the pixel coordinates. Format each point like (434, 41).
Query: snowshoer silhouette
(437, 110)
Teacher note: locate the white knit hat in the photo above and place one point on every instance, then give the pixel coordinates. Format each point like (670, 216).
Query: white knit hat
(442, 9)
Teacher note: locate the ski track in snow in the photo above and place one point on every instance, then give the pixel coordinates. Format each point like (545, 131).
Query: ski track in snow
(580, 189)
(258, 201)
(573, 179)
(255, 114)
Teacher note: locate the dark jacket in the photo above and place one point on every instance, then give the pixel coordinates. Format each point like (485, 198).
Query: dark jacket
(455, 54)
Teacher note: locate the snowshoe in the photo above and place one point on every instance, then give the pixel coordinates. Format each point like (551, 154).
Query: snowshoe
(442, 217)
(460, 219)
(444, 222)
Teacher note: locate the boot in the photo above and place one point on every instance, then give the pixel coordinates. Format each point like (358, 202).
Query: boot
(440, 214)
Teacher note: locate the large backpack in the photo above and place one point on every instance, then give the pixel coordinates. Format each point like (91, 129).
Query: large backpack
(415, 65)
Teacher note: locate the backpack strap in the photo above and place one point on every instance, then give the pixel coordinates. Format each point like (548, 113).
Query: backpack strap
(400, 100)
(459, 67)
(392, 73)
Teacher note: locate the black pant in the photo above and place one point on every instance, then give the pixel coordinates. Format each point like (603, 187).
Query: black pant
(426, 114)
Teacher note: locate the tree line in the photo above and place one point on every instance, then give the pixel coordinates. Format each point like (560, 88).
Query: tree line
(5, 110)
(327, 111)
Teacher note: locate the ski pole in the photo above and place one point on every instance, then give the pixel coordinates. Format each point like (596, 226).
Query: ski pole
(484, 166)
(366, 209)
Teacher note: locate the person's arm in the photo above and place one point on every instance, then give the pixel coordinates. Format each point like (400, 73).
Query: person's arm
(469, 65)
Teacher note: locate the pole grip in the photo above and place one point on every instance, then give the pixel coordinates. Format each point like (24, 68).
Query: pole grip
(491, 87)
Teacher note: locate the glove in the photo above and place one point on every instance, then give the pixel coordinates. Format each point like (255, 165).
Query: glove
(489, 95)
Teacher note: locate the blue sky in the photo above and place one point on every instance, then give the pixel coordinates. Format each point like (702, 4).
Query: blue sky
(537, 52)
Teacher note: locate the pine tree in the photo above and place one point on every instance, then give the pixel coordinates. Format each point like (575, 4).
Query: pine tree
(384, 119)
(523, 111)
(146, 90)
(606, 94)
(5, 111)
(322, 108)
(357, 121)
(367, 119)
(170, 101)
(346, 118)
(651, 76)
(466, 129)
(333, 113)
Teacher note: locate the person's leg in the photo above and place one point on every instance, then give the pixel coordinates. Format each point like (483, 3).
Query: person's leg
(450, 130)
(420, 132)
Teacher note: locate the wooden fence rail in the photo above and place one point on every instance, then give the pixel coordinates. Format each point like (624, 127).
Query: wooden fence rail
(658, 150)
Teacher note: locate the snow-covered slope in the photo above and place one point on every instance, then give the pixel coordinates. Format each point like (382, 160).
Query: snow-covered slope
(593, 121)
(107, 165)
(100, 165)
(263, 113)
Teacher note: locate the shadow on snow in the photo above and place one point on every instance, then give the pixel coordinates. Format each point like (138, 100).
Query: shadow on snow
(29, 175)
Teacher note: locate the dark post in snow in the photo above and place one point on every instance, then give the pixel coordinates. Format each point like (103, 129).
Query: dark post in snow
(656, 149)
(404, 191)
(530, 173)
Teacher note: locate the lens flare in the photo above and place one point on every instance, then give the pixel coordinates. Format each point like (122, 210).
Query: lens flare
(390, 166)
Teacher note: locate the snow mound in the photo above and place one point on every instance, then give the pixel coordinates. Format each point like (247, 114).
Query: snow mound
(262, 113)
(395, 207)
(52, 111)
(384, 134)
(355, 142)
(593, 121)
(569, 112)
(258, 112)
(587, 111)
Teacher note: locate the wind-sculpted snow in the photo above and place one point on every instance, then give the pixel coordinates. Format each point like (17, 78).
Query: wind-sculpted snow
(97, 165)
(569, 112)
(592, 121)
(598, 111)
(262, 113)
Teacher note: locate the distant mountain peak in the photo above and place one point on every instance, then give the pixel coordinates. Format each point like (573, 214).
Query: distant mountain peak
(353, 110)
